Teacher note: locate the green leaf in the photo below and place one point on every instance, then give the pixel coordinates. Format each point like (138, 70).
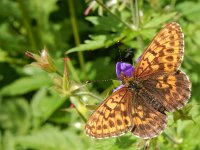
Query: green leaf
(25, 85)
(51, 138)
(159, 20)
(4, 56)
(44, 105)
(186, 113)
(15, 115)
(119, 143)
(190, 10)
(148, 34)
(7, 142)
(106, 23)
(93, 19)
(96, 42)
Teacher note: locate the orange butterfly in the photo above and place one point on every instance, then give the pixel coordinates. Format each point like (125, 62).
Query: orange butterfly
(154, 87)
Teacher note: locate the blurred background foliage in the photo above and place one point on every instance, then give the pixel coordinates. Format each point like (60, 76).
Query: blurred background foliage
(40, 110)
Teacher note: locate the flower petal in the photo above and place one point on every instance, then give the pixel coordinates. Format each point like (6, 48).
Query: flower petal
(124, 67)
(119, 87)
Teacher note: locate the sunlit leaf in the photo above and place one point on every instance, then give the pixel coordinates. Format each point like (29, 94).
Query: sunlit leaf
(51, 138)
(159, 19)
(25, 84)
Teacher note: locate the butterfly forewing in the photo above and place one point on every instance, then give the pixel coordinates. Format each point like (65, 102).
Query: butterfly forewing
(113, 117)
(163, 55)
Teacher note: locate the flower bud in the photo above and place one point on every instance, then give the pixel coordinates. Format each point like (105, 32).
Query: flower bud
(44, 61)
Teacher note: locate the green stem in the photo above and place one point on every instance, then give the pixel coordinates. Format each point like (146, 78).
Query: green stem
(135, 13)
(73, 72)
(173, 2)
(89, 94)
(132, 11)
(80, 114)
(27, 25)
(76, 32)
(115, 16)
(59, 73)
(171, 138)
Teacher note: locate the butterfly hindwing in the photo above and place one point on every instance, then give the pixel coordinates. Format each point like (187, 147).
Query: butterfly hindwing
(112, 117)
(148, 122)
(173, 90)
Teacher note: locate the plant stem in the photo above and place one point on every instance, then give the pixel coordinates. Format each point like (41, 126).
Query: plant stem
(88, 93)
(27, 25)
(76, 32)
(115, 16)
(59, 73)
(80, 114)
(135, 13)
(73, 72)
(171, 139)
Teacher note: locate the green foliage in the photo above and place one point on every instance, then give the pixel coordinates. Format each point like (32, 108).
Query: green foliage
(40, 110)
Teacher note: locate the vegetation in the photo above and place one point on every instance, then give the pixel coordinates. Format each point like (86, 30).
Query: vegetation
(44, 106)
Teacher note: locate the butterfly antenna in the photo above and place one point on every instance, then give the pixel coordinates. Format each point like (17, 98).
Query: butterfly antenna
(92, 81)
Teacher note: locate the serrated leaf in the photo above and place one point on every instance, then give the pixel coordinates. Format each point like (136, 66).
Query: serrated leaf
(96, 42)
(108, 23)
(183, 114)
(93, 19)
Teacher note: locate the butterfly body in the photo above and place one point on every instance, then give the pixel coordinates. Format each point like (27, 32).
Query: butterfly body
(130, 82)
(133, 85)
(154, 87)
(139, 87)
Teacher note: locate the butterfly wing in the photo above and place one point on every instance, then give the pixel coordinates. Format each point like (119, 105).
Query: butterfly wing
(113, 117)
(163, 86)
(148, 122)
(173, 90)
(164, 54)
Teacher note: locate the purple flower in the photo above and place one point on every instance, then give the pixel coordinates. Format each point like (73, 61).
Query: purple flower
(126, 68)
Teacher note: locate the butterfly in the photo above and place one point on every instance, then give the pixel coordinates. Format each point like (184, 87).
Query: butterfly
(154, 87)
